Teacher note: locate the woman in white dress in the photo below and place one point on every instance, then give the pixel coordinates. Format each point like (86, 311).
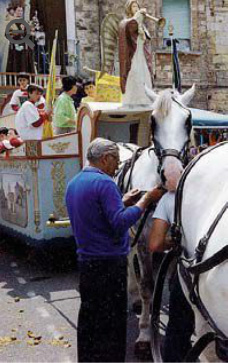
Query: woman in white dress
(135, 56)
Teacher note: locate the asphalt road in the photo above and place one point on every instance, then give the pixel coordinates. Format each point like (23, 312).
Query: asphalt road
(39, 308)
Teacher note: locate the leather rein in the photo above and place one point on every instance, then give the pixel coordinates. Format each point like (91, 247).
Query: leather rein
(191, 268)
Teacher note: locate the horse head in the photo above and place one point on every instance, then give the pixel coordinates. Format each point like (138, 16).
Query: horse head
(171, 127)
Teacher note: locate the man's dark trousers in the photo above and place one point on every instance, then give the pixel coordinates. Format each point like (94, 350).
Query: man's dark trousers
(102, 321)
(180, 326)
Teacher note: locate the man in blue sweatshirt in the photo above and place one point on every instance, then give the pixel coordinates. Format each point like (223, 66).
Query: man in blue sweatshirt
(100, 221)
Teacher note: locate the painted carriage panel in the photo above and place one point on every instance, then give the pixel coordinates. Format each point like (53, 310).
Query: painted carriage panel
(68, 145)
(33, 181)
(15, 191)
(18, 152)
(53, 177)
(31, 190)
(13, 199)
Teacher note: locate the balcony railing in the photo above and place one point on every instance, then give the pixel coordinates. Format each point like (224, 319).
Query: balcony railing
(8, 81)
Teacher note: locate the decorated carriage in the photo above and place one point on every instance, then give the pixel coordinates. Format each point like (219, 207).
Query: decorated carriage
(34, 176)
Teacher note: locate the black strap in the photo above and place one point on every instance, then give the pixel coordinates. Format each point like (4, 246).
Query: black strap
(157, 304)
(199, 346)
(179, 191)
(135, 156)
(200, 249)
(142, 223)
(218, 258)
(194, 296)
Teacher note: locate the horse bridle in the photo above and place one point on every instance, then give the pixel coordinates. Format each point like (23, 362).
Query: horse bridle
(191, 268)
(162, 153)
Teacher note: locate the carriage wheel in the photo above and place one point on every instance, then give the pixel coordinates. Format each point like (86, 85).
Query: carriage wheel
(159, 316)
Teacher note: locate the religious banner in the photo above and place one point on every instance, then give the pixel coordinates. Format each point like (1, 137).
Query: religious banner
(4, 43)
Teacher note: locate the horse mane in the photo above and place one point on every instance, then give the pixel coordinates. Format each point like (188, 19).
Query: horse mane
(163, 103)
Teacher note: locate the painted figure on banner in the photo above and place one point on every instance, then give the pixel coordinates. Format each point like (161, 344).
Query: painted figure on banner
(20, 56)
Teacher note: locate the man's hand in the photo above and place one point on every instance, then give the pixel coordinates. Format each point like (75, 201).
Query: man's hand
(154, 195)
(131, 197)
(143, 11)
(151, 196)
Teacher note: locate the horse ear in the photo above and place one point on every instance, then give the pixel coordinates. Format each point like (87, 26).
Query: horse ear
(150, 93)
(188, 95)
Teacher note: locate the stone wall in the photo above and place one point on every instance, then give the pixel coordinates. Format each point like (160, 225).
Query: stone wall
(206, 64)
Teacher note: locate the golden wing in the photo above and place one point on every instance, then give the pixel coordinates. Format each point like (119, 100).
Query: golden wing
(109, 41)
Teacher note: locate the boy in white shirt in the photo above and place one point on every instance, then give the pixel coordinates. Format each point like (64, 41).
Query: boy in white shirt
(29, 121)
(21, 95)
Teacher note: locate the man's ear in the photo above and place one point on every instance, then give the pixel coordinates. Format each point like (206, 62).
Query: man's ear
(104, 159)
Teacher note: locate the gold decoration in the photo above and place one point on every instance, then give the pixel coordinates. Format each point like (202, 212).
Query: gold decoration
(59, 147)
(34, 165)
(32, 148)
(59, 188)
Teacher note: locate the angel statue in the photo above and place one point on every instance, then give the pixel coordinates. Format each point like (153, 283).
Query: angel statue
(135, 55)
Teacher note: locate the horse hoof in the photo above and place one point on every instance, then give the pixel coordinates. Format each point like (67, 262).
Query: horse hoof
(143, 351)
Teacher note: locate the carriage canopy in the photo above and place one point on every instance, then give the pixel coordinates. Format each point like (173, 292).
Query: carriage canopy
(208, 119)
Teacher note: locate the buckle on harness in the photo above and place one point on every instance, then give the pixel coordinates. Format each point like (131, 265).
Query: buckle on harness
(221, 346)
(176, 234)
(200, 249)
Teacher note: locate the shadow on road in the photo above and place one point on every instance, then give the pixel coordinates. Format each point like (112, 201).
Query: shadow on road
(51, 274)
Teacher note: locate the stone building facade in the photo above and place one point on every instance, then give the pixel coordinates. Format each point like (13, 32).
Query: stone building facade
(205, 63)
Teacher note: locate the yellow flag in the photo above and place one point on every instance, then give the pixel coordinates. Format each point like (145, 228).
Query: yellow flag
(50, 93)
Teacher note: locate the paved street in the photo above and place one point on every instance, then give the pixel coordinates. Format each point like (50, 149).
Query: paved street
(39, 310)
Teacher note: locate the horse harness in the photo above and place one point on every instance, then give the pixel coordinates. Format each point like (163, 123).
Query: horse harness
(191, 268)
(162, 153)
(129, 166)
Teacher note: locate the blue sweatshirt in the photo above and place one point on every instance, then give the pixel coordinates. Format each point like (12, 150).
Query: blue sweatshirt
(97, 214)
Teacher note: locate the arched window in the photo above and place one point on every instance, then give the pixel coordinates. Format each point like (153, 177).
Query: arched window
(177, 12)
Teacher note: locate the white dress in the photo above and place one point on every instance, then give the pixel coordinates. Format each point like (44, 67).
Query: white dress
(139, 74)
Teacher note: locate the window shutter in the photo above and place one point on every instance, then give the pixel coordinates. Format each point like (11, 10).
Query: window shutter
(178, 13)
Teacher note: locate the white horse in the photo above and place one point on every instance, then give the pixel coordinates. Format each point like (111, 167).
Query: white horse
(205, 193)
(170, 138)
